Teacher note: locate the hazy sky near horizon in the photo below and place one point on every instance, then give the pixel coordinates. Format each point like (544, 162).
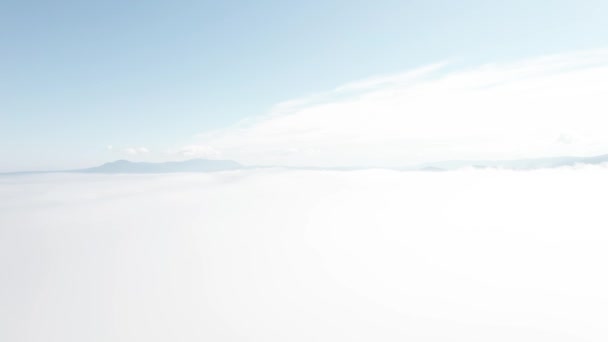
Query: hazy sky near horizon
(275, 82)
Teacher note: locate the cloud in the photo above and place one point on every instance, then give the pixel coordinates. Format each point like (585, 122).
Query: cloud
(272, 255)
(198, 151)
(133, 151)
(519, 109)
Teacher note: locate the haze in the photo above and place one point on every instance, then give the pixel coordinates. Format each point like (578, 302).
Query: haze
(303, 171)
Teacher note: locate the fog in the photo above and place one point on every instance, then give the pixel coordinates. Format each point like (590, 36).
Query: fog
(283, 255)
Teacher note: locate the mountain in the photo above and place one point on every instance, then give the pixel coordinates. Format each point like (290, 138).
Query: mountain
(517, 164)
(209, 165)
(193, 165)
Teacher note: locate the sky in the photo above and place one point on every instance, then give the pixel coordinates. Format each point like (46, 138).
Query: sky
(82, 83)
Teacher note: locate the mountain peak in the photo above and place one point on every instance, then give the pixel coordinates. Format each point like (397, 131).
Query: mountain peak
(192, 165)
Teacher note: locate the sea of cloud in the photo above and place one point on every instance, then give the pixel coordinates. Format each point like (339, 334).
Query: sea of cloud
(284, 255)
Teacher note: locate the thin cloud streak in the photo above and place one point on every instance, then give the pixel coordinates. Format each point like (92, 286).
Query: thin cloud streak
(134, 151)
(547, 106)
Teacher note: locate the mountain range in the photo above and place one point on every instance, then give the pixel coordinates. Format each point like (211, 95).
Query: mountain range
(209, 165)
(515, 164)
(192, 165)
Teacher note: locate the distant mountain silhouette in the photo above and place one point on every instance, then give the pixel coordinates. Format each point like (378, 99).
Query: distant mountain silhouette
(517, 164)
(193, 165)
(209, 165)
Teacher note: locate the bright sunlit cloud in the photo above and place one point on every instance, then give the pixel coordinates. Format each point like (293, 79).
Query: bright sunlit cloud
(547, 106)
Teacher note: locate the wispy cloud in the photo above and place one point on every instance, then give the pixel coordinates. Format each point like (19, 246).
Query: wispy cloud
(519, 109)
(133, 151)
(198, 151)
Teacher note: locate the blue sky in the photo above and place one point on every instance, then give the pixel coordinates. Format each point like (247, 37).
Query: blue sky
(80, 76)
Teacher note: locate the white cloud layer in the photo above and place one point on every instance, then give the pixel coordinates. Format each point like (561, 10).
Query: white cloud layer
(134, 151)
(549, 106)
(271, 255)
(197, 151)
